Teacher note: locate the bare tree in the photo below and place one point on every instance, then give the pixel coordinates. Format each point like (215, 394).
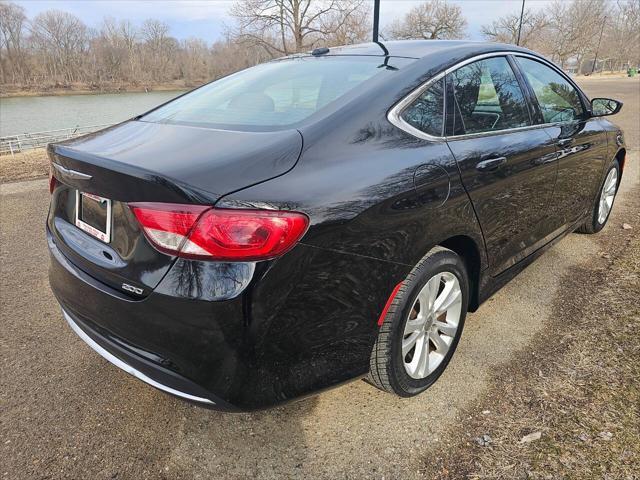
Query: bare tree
(430, 20)
(62, 39)
(194, 66)
(228, 56)
(573, 29)
(346, 27)
(505, 29)
(159, 48)
(290, 26)
(12, 29)
(111, 51)
(564, 30)
(621, 42)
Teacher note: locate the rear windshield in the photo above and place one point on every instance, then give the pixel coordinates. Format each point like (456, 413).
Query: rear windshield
(273, 94)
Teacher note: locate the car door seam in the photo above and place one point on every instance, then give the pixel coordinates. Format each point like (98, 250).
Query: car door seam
(473, 207)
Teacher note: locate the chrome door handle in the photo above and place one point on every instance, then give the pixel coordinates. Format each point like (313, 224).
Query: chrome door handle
(491, 164)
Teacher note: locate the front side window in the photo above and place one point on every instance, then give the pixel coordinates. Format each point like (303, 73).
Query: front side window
(487, 97)
(427, 111)
(273, 94)
(558, 99)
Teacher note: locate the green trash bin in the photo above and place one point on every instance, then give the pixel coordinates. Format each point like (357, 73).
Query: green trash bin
(632, 72)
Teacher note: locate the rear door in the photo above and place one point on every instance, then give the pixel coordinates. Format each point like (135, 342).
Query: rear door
(580, 141)
(508, 165)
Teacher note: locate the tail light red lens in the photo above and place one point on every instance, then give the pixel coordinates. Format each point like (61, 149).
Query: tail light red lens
(206, 233)
(167, 225)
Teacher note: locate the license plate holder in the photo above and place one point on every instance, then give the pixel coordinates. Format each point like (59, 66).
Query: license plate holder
(93, 215)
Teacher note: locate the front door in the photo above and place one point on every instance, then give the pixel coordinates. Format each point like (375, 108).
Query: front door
(508, 166)
(580, 141)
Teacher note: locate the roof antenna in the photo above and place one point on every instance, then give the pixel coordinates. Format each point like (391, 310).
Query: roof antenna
(376, 25)
(520, 25)
(376, 19)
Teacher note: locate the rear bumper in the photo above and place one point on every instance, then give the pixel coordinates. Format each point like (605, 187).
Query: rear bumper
(170, 343)
(153, 375)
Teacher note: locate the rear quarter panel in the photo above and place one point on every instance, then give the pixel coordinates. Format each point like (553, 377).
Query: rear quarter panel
(356, 180)
(314, 311)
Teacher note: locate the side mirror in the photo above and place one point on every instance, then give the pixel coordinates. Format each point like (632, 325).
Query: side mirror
(601, 107)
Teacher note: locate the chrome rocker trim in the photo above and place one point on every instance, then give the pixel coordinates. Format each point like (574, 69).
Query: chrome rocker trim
(128, 368)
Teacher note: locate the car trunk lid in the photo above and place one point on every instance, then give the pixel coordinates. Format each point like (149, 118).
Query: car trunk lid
(148, 162)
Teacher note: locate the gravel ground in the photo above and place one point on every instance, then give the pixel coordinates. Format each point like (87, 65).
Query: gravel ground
(66, 413)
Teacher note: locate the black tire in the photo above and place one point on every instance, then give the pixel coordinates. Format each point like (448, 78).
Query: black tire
(592, 225)
(387, 371)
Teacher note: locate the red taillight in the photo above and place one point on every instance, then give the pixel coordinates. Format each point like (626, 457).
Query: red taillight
(167, 225)
(220, 234)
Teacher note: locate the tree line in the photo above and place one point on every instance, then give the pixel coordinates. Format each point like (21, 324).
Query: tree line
(576, 31)
(57, 49)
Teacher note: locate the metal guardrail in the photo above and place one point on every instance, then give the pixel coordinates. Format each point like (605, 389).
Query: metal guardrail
(12, 144)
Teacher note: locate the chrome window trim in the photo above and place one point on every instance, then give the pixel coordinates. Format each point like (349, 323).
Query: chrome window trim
(128, 368)
(395, 113)
(453, 138)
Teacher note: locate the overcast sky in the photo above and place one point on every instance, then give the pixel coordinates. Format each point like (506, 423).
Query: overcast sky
(206, 18)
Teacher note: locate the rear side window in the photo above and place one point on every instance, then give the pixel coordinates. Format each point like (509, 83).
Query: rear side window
(487, 97)
(273, 94)
(558, 99)
(427, 111)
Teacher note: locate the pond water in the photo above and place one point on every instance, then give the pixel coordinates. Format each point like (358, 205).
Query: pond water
(37, 114)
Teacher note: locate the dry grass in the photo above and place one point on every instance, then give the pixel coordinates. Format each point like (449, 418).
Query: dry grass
(604, 75)
(577, 384)
(23, 166)
(7, 91)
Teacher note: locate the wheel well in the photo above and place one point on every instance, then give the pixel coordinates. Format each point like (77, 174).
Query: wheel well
(467, 249)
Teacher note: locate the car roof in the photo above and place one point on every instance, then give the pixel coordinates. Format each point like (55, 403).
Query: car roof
(418, 48)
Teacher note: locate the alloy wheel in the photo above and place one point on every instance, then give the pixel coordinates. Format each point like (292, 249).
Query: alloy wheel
(432, 325)
(607, 195)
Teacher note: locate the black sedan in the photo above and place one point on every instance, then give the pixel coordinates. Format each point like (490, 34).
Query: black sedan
(323, 217)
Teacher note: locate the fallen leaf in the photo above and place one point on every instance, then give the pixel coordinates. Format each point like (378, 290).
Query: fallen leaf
(531, 437)
(626, 226)
(606, 436)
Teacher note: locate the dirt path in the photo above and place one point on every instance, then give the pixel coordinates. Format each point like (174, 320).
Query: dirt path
(574, 387)
(66, 413)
